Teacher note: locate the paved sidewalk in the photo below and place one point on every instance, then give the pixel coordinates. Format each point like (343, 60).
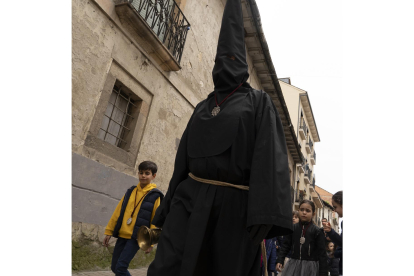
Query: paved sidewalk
(134, 272)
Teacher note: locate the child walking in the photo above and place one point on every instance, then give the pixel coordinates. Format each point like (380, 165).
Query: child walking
(307, 242)
(135, 209)
(333, 263)
(337, 202)
(295, 219)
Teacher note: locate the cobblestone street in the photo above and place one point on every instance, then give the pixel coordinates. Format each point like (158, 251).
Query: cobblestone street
(134, 272)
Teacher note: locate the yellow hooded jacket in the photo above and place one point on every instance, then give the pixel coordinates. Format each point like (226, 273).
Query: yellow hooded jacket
(136, 196)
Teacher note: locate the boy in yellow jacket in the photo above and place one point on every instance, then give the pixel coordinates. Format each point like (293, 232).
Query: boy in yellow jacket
(135, 209)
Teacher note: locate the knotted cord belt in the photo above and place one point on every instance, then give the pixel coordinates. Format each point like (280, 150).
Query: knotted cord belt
(241, 187)
(218, 183)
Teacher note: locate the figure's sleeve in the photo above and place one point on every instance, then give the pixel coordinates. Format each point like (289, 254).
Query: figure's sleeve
(109, 230)
(284, 249)
(323, 258)
(156, 205)
(279, 240)
(335, 237)
(180, 173)
(269, 193)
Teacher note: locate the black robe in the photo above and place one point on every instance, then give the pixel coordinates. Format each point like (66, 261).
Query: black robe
(205, 226)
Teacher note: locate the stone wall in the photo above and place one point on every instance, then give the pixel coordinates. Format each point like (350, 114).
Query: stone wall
(99, 42)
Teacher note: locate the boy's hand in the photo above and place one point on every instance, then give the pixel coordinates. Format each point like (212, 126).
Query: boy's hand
(327, 227)
(106, 241)
(148, 250)
(279, 267)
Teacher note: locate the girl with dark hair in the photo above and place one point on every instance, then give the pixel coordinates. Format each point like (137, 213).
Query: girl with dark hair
(307, 243)
(337, 202)
(333, 262)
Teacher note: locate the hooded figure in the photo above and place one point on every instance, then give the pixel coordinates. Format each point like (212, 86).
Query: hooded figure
(234, 136)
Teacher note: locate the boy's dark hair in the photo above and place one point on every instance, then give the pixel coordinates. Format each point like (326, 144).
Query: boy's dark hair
(308, 202)
(148, 165)
(325, 219)
(338, 197)
(295, 213)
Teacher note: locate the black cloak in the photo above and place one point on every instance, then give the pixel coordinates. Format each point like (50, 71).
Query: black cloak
(205, 227)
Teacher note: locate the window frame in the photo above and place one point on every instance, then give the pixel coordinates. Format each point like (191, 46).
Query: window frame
(129, 154)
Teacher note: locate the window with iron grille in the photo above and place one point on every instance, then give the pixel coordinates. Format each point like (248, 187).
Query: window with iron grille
(116, 122)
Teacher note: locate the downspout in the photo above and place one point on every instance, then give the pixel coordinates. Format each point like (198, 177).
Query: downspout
(265, 48)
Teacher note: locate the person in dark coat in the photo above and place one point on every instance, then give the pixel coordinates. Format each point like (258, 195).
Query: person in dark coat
(335, 237)
(333, 262)
(307, 244)
(278, 241)
(270, 257)
(234, 138)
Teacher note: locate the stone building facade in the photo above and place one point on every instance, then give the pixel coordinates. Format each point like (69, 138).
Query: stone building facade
(133, 93)
(300, 110)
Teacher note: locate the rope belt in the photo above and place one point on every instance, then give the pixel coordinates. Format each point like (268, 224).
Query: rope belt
(218, 183)
(241, 187)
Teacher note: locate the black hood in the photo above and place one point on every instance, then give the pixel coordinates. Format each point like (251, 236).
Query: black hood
(231, 67)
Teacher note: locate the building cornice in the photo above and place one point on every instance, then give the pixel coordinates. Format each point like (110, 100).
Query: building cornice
(262, 62)
(307, 107)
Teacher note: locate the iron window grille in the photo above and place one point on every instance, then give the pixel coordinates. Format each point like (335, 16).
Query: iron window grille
(117, 118)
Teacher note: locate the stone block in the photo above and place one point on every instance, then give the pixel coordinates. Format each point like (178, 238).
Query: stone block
(76, 230)
(90, 231)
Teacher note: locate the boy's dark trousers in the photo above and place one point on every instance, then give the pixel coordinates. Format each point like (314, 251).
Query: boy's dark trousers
(124, 252)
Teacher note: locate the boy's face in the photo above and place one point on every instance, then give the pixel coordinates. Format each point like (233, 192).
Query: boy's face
(145, 177)
(295, 219)
(331, 247)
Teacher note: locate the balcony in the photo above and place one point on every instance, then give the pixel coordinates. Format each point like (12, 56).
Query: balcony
(313, 158)
(160, 27)
(301, 168)
(308, 175)
(312, 185)
(309, 145)
(300, 196)
(303, 129)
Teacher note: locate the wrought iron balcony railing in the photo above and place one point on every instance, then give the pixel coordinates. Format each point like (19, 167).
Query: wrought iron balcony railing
(309, 174)
(314, 155)
(301, 195)
(306, 170)
(310, 143)
(313, 182)
(167, 21)
(303, 126)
